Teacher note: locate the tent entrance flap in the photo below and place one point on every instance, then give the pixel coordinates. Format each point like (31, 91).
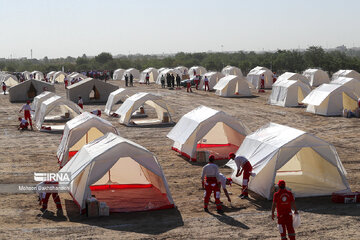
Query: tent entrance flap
(349, 103)
(32, 91)
(300, 95)
(307, 173)
(94, 94)
(88, 137)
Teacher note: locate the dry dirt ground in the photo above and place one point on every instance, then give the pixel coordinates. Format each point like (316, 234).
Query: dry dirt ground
(22, 153)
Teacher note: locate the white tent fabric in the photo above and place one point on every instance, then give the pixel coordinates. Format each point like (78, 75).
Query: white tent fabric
(288, 93)
(38, 75)
(125, 162)
(330, 100)
(316, 77)
(49, 75)
(118, 95)
(310, 166)
(165, 72)
(137, 100)
(58, 77)
(47, 106)
(36, 104)
(232, 86)
(206, 125)
(134, 72)
(118, 74)
(346, 73)
(78, 76)
(230, 70)
(91, 91)
(293, 76)
(153, 74)
(198, 69)
(213, 78)
(26, 75)
(351, 83)
(10, 80)
(161, 69)
(80, 131)
(183, 70)
(28, 90)
(254, 77)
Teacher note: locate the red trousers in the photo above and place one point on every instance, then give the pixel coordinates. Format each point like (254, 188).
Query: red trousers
(211, 185)
(188, 87)
(27, 116)
(262, 84)
(81, 105)
(56, 200)
(247, 169)
(24, 126)
(196, 84)
(207, 85)
(285, 222)
(4, 88)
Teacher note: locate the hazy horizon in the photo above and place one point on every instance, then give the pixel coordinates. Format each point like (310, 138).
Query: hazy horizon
(73, 28)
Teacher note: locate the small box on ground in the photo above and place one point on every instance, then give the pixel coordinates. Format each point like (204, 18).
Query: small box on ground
(92, 207)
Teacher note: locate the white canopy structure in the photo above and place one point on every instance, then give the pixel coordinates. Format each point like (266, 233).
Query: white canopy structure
(288, 93)
(161, 69)
(118, 74)
(232, 86)
(254, 77)
(330, 100)
(91, 91)
(62, 109)
(27, 75)
(80, 131)
(137, 100)
(58, 77)
(153, 74)
(27, 90)
(10, 80)
(213, 78)
(346, 73)
(351, 83)
(183, 70)
(114, 97)
(198, 69)
(293, 76)
(134, 72)
(36, 104)
(38, 75)
(309, 166)
(165, 72)
(121, 173)
(231, 70)
(316, 77)
(50, 75)
(74, 76)
(207, 130)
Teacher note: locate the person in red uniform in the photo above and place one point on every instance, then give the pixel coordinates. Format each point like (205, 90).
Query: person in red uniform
(206, 83)
(211, 182)
(96, 112)
(243, 167)
(81, 103)
(262, 81)
(44, 198)
(23, 124)
(4, 87)
(284, 201)
(188, 85)
(26, 107)
(274, 77)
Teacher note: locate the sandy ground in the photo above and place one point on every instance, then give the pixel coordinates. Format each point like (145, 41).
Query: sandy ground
(23, 153)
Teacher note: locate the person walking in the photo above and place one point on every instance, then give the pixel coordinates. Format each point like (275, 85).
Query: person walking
(243, 167)
(4, 87)
(283, 202)
(206, 83)
(131, 80)
(147, 78)
(178, 80)
(126, 80)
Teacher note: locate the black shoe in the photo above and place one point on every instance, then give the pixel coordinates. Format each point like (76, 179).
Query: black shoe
(59, 212)
(206, 209)
(43, 210)
(220, 211)
(244, 197)
(241, 195)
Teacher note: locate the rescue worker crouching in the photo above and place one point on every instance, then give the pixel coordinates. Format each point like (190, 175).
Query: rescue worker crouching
(246, 169)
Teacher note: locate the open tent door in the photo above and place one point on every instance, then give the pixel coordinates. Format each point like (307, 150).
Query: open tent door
(151, 77)
(32, 91)
(300, 95)
(129, 187)
(94, 94)
(89, 136)
(349, 103)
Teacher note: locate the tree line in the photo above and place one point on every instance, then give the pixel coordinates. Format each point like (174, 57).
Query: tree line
(279, 61)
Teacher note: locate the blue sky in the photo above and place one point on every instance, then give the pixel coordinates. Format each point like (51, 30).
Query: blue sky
(61, 28)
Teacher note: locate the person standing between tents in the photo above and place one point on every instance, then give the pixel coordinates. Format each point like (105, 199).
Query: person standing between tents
(126, 80)
(4, 87)
(44, 198)
(211, 182)
(188, 86)
(178, 81)
(147, 78)
(168, 80)
(172, 80)
(274, 77)
(283, 201)
(262, 81)
(66, 81)
(162, 79)
(81, 103)
(131, 80)
(26, 107)
(206, 83)
(246, 169)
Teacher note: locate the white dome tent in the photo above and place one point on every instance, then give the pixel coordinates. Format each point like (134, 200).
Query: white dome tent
(316, 77)
(207, 130)
(26, 75)
(134, 72)
(36, 104)
(10, 80)
(198, 69)
(80, 131)
(58, 77)
(213, 78)
(153, 74)
(310, 166)
(293, 76)
(50, 75)
(118, 74)
(183, 70)
(137, 180)
(254, 77)
(350, 83)
(230, 70)
(165, 72)
(114, 97)
(346, 73)
(288, 93)
(137, 100)
(38, 75)
(330, 100)
(232, 86)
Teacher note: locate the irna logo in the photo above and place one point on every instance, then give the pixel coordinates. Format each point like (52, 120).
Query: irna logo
(57, 177)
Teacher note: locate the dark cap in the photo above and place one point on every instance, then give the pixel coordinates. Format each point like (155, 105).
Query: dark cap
(231, 155)
(211, 158)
